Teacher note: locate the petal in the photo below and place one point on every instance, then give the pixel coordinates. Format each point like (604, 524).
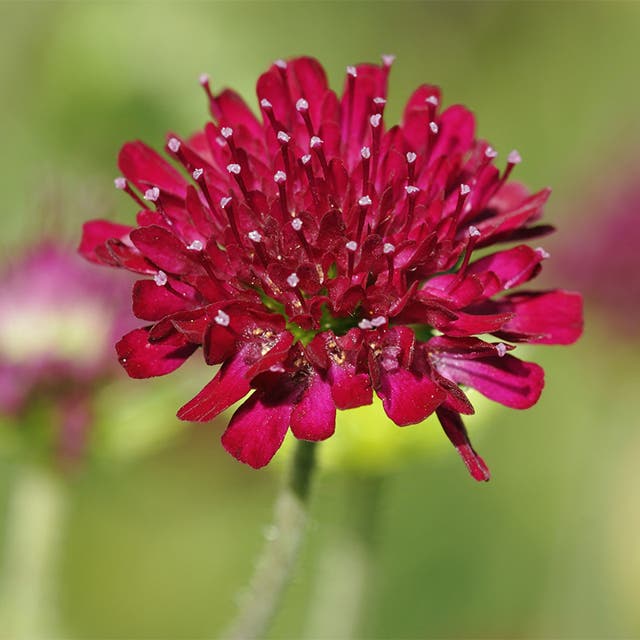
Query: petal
(95, 233)
(164, 249)
(258, 427)
(506, 379)
(143, 358)
(314, 417)
(408, 398)
(145, 168)
(457, 434)
(152, 302)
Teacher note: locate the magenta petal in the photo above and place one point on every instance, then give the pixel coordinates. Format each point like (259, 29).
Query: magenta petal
(406, 397)
(164, 249)
(314, 417)
(229, 385)
(349, 389)
(144, 359)
(151, 302)
(506, 379)
(257, 428)
(457, 434)
(95, 233)
(512, 267)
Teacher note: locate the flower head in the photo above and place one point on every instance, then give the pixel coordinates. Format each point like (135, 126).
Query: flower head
(319, 256)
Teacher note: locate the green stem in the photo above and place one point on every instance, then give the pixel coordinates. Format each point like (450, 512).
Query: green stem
(30, 558)
(274, 568)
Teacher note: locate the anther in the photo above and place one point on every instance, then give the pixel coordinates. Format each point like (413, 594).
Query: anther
(174, 145)
(197, 173)
(352, 245)
(365, 201)
(233, 168)
(279, 177)
(490, 152)
(152, 194)
(514, 157)
(293, 280)
(473, 231)
(411, 157)
(352, 71)
(388, 59)
(365, 153)
(160, 278)
(388, 248)
(378, 321)
(411, 189)
(281, 64)
(204, 79)
(434, 127)
(120, 183)
(432, 100)
(542, 253)
(254, 235)
(222, 318)
(501, 349)
(464, 189)
(315, 142)
(365, 324)
(374, 120)
(226, 132)
(296, 223)
(283, 137)
(379, 100)
(302, 105)
(306, 158)
(225, 201)
(196, 245)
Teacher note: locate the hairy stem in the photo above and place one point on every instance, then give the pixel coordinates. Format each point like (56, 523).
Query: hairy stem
(273, 571)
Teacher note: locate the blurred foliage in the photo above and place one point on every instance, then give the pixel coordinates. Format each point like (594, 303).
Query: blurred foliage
(161, 547)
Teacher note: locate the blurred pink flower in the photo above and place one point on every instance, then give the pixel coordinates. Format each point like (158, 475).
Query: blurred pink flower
(319, 256)
(58, 323)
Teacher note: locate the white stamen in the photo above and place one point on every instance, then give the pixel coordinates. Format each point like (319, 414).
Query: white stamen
(365, 201)
(434, 127)
(501, 348)
(204, 79)
(174, 145)
(296, 223)
(388, 248)
(265, 104)
(379, 100)
(387, 59)
(315, 142)
(233, 168)
(225, 201)
(306, 158)
(542, 253)
(160, 278)
(302, 105)
(197, 173)
(411, 157)
(280, 63)
(352, 71)
(490, 152)
(473, 232)
(152, 194)
(375, 120)
(226, 132)
(120, 183)
(283, 136)
(411, 189)
(196, 245)
(433, 100)
(365, 324)
(352, 245)
(222, 318)
(255, 236)
(365, 153)
(293, 280)
(464, 189)
(514, 157)
(279, 177)
(378, 321)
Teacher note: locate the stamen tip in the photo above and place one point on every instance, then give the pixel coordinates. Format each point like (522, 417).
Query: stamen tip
(120, 183)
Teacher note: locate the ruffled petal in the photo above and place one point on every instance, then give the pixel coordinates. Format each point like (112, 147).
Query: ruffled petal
(95, 233)
(314, 416)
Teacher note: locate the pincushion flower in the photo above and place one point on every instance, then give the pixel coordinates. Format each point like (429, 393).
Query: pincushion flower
(58, 322)
(320, 257)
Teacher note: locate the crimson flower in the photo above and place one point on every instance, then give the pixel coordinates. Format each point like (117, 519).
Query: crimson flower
(318, 256)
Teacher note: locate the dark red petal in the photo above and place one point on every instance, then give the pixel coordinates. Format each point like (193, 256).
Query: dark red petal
(145, 168)
(164, 249)
(349, 388)
(314, 417)
(257, 428)
(408, 398)
(95, 233)
(456, 432)
(228, 386)
(144, 359)
(151, 302)
(506, 379)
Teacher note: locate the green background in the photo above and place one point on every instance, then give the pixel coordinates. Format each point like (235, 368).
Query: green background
(158, 546)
